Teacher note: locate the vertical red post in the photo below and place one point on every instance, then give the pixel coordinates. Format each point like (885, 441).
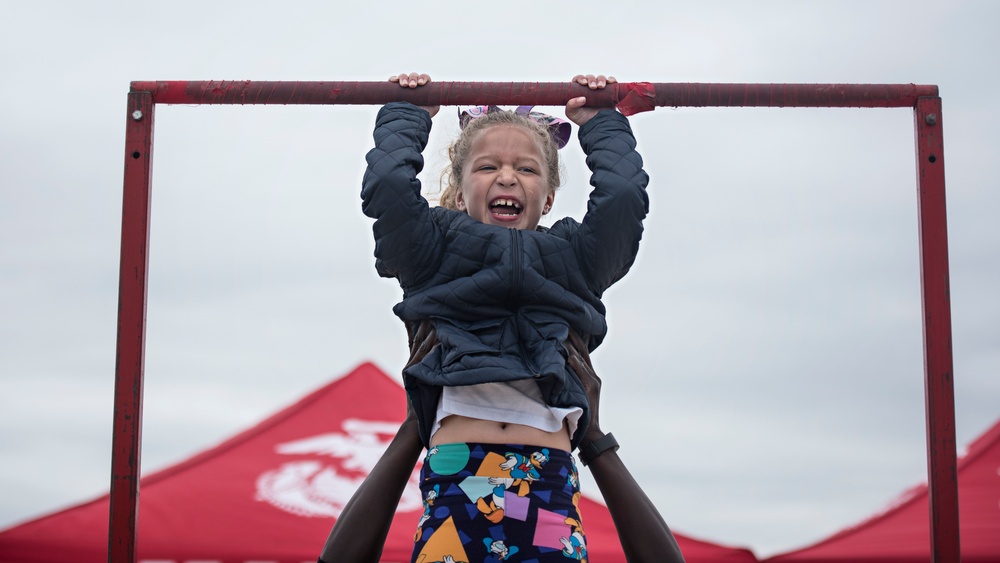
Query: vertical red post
(939, 388)
(127, 437)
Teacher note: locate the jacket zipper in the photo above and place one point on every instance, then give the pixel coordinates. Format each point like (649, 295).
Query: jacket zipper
(515, 264)
(515, 289)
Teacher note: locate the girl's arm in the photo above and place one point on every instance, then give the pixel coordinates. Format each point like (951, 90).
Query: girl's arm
(608, 238)
(406, 239)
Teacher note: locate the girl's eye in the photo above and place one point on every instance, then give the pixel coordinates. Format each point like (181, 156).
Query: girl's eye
(528, 170)
(487, 167)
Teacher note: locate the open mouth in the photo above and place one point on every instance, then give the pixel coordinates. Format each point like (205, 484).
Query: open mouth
(505, 207)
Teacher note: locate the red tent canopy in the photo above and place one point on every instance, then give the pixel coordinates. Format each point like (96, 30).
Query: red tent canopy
(272, 492)
(901, 533)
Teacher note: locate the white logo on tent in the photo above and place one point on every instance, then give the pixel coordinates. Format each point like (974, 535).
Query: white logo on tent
(315, 488)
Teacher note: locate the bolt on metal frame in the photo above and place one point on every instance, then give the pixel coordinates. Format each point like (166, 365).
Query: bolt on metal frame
(630, 98)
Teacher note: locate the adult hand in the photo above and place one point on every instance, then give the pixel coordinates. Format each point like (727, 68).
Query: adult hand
(575, 110)
(413, 80)
(422, 339)
(644, 534)
(578, 358)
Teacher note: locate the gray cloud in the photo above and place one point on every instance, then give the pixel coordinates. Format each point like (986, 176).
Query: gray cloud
(764, 366)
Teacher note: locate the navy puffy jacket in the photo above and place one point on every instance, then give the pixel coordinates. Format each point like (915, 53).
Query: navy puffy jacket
(502, 300)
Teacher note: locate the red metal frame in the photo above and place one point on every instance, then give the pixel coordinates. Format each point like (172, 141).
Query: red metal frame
(630, 98)
(537, 93)
(939, 393)
(126, 443)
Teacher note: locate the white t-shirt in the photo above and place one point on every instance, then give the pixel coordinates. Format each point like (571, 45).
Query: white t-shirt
(514, 402)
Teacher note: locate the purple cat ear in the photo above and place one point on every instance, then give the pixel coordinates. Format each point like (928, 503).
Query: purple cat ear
(465, 115)
(559, 129)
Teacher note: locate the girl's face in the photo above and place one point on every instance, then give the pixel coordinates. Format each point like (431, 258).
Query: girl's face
(505, 180)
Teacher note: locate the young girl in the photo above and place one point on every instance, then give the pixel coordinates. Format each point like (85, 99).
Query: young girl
(495, 402)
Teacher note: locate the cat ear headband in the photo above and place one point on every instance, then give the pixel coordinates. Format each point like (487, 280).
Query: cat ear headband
(559, 129)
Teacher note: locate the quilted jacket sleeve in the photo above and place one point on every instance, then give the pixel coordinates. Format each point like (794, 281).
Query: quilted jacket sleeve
(608, 239)
(406, 239)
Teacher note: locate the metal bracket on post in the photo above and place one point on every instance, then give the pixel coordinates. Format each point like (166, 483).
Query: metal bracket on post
(126, 440)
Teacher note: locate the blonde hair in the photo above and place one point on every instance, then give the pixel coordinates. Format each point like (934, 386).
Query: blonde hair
(458, 152)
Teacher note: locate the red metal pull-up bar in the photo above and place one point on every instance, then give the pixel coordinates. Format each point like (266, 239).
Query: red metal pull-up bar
(536, 93)
(627, 97)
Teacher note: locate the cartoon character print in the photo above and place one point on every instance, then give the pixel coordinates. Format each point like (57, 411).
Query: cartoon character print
(450, 559)
(432, 495)
(428, 501)
(575, 546)
(573, 480)
(492, 507)
(524, 469)
(430, 452)
(497, 550)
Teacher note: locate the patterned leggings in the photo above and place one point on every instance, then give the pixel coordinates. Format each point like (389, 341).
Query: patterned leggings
(499, 502)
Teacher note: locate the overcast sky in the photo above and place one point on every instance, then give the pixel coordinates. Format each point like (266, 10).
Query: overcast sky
(764, 367)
